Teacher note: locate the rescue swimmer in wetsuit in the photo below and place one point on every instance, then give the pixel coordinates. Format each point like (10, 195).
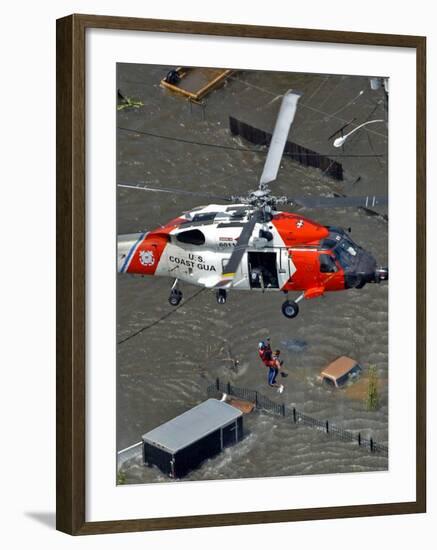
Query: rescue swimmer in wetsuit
(272, 362)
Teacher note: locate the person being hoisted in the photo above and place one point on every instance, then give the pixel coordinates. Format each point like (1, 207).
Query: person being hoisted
(265, 350)
(272, 362)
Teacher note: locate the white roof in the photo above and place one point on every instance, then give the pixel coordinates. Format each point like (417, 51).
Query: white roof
(192, 425)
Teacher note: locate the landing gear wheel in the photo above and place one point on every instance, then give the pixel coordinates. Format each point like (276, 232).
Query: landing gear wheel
(290, 309)
(175, 297)
(221, 296)
(360, 282)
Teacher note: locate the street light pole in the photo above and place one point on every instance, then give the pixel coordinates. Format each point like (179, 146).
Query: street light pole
(340, 140)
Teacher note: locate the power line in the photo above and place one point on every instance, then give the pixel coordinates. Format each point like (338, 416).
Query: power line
(301, 104)
(165, 316)
(229, 147)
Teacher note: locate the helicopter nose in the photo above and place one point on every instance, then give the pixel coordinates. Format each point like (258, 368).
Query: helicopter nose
(362, 270)
(359, 278)
(381, 274)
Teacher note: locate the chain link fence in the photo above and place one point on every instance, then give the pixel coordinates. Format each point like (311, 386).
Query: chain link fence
(297, 417)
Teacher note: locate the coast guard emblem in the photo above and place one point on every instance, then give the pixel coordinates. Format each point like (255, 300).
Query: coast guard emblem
(147, 258)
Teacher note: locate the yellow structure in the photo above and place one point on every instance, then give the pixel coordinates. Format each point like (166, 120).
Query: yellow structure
(195, 83)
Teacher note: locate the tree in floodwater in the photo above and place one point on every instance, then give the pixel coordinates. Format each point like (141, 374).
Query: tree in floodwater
(121, 477)
(372, 398)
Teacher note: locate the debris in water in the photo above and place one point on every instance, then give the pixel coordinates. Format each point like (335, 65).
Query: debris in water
(125, 102)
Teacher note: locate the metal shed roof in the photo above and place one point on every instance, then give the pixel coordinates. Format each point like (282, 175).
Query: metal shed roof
(192, 425)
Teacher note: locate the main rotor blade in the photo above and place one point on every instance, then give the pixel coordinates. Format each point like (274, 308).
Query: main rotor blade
(279, 138)
(175, 191)
(242, 243)
(368, 201)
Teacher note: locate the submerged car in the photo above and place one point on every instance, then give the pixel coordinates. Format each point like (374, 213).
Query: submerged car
(340, 371)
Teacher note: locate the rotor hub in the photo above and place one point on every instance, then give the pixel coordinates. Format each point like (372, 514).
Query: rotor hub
(262, 198)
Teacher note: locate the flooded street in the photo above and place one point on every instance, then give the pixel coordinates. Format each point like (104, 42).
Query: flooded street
(164, 366)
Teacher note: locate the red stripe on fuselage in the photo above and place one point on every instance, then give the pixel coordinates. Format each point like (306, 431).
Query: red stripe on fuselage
(149, 251)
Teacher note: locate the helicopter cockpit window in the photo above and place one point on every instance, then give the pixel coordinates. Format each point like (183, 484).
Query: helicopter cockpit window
(343, 257)
(328, 243)
(348, 246)
(345, 250)
(327, 264)
(193, 236)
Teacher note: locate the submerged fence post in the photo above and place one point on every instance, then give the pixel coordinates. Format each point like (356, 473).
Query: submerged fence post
(359, 439)
(327, 427)
(371, 445)
(217, 383)
(294, 415)
(229, 388)
(256, 399)
(283, 409)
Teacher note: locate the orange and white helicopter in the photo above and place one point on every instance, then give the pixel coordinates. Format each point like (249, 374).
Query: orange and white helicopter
(250, 245)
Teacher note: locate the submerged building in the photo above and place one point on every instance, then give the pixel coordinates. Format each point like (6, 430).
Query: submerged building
(183, 443)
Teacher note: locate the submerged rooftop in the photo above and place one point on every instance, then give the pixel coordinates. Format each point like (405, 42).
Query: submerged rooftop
(192, 425)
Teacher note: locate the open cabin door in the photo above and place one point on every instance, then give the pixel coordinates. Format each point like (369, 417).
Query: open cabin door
(263, 269)
(267, 269)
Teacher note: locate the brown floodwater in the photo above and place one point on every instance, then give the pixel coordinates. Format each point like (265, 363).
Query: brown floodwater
(165, 369)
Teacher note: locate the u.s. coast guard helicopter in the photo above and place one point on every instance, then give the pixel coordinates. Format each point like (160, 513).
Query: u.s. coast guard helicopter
(250, 245)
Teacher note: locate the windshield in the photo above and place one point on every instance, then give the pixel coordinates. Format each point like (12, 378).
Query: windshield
(347, 245)
(342, 246)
